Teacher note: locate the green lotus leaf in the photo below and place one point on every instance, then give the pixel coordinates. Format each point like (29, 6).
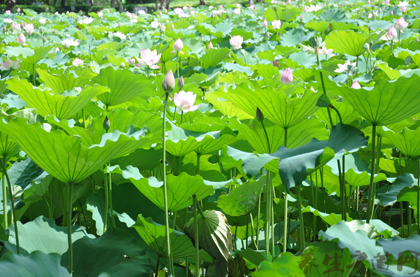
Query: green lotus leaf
(180, 188)
(407, 141)
(275, 106)
(247, 163)
(65, 157)
(37, 264)
(396, 246)
(334, 15)
(214, 234)
(225, 106)
(214, 56)
(387, 103)
(278, 13)
(39, 54)
(346, 42)
(120, 119)
(285, 265)
(297, 163)
(62, 106)
(8, 148)
(329, 218)
(293, 37)
(389, 194)
(123, 85)
(356, 236)
(319, 258)
(155, 236)
(241, 200)
(63, 82)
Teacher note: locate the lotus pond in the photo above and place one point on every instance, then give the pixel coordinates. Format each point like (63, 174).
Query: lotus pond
(277, 139)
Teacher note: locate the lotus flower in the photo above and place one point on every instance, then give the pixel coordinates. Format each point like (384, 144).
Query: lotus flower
(29, 28)
(21, 39)
(120, 35)
(9, 64)
(42, 20)
(100, 14)
(162, 27)
(236, 42)
(70, 42)
(401, 24)
(86, 21)
(185, 101)
(154, 24)
(210, 46)
(178, 45)
(346, 67)
(287, 77)
(150, 58)
(276, 24)
(325, 51)
(237, 11)
(265, 24)
(356, 85)
(77, 62)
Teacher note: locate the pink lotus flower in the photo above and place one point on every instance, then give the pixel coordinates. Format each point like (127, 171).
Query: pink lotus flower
(29, 28)
(77, 62)
(100, 14)
(356, 85)
(14, 26)
(237, 11)
(276, 24)
(7, 12)
(325, 51)
(9, 64)
(21, 39)
(265, 24)
(346, 67)
(70, 42)
(287, 77)
(185, 101)
(236, 42)
(42, 20)
(401, 24)
(162, 28)
(178, 45)
(168, 83)
(392, 33)
(18, 10)
(154, 24)
(149, 58)
(131, 61)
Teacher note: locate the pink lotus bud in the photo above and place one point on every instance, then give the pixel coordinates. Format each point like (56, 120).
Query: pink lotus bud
(172, 26)
(403, 9)
(276, 64)
(181, 82)
(391, 12)
(265, 24)
(287, 77)
(220, 7)
(160, 13)
(236, 42)
(368, 2)
(162, 28)
(56, 13)
(7, 12)
(168, 83)
(178, 45)
(392, 33)
(356, 85)
(301, 17)
(131, 61)
(44, 38)
(401, 24)
(18, 10)
(21, 39)
(210, 46)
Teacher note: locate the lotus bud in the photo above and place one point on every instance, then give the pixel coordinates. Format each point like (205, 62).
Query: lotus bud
(366, 46)
(356, 85)
(265, 24)
(41, 30)
(160, 13)
(267, 34)
(168, 83)
(119, 25)
(392, 33)
(162, 28)
(330, 26)
(210, 46)
(107, 124)
(417, 39)
(259, 116)
(4, 29)
(178, 45)
(21, 39)
(287, 77)
(172, 26)
(401, 24)
(370, 28)
(301, 17)
(379, 10)
(44, 38)
(391, 12)
(371, 43)
(181, 82)
(54, 31)
(276, 64)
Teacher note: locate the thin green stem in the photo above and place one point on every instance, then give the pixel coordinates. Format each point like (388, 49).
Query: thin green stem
(33, 76)
(418, 200)
(106, 184)
(390, 215)
(69, 213)
(84, 214)
(197, 169)
(338, 113)
(110, 198)
(187, 270)
(196, 238)
(252, 231)
(182, 116)
(12, 203)
(257, 231)
(285, 233)
(323, 88)
(266, 138)
(84, 118)
(371, 200)
(5, 211)
(177, 63)
(302, 226)
(165, 191)
(157, 265)
(402, 219)
(313, 188)
(48, 206)
(342, 194)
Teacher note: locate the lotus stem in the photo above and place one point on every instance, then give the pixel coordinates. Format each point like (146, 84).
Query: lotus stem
(106, 203)
(12, 204)
(196, 238)
(390, 215)
(110, 198)
(33, 76)
(342, 188)
(165, 190)
(257, 231)
(5, 211)
(197, 170)
(285, 205)
(371, 199)
(182, 116)
(302, 226)
(252, 231)
(69, 213)
(418, 201)
(157, 265)
(84, 214)
(313, 189)
(402, 219)
(338, 113)
(177, 63)
(323, 88)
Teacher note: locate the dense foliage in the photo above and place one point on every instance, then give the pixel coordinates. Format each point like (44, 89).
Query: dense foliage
(280, 139)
